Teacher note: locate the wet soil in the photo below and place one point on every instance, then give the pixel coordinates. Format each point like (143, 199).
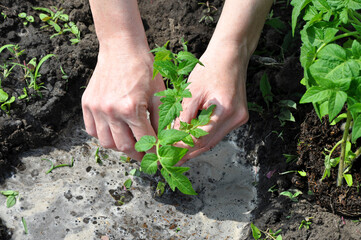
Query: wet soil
(37, 122)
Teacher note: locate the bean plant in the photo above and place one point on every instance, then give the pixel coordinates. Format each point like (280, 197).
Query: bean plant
(174, 68)
(331, 58)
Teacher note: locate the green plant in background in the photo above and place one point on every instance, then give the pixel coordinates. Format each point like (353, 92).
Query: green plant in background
(208, 12)
(268, 234)
(306, 223)
(283, 106)
(59, 21)
(10, 197)
(293, 194)
(331, 58)
(27, 18)
(174, 68)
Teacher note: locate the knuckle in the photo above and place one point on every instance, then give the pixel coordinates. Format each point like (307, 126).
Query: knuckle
(125, 148)
(91, 131)
(107, 144)
(242, 116)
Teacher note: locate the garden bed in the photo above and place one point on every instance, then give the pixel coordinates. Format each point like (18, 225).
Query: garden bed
(48, 125)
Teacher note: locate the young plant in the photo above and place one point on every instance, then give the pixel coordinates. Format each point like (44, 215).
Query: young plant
(174, 68)
(268, 234)
(52, 167)
(292, 195)
(52, 16)
(331, 58)
(305, 223)
(10, 197)
(208, 12)
(27, 18)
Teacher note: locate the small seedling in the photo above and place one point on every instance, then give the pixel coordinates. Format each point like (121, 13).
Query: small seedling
(208, 12)
(125, 159)
(134, 172)
(11, 197)
(268, 234)
(252, 106)
(174, 68)
(27, 18)
(53, 16)
(306, 223)
(58, 166)
(128, 183)
(290, 158)
(97, 157)
(24, 225)
(273, 189)
(293, 196)
(4, 15)
(160, 189)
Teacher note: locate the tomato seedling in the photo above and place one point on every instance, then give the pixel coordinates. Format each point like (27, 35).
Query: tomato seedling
(331, 58)
(174, 68)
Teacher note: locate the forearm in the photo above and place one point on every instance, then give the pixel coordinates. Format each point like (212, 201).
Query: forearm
(241, 23)
(117, 23)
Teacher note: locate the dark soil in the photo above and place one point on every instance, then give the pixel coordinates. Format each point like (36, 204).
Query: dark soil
(37, 122)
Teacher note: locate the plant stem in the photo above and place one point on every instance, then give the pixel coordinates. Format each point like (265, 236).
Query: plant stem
(343, 149)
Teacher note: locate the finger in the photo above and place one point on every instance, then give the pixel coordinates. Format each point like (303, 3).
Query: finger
(124, 140)
(154, 112)
(89, 123)
(190, 109)
(103, 131)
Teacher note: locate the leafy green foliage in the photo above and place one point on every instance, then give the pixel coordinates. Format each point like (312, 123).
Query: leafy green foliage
(128, 183)
(59, 21)
(331, 58)
(174, 68)
(27, 18)
(291, 194)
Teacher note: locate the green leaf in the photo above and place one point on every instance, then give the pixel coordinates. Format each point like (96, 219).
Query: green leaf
(333, 52)
(168, 111)
(302, 173)
(3, 96)
(336, 101)
(205, 115)
(9, 192)
(348, 178)
(149, 163)
(160, 188)
(315, 94)
(43, 17)
(134, 172)
(256, 233)
(356, 129)
(22, 15)
(175, 178)
(47, 10)
(189, 141)
(145, 143)
(167, 69)
(266, 89)
(10, 201)
(170, 155)
(286, 115)
(298, 5)
(279, 237)
(356, 49)
(288, 103)
(24, 225)
(54, 25)
(187, 62)
(197, 132)
(128, 183)
(338, 118)
(171, 136)
(30, 18)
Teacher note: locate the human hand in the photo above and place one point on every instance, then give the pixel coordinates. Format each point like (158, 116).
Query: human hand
(118, 96)
(221, 82)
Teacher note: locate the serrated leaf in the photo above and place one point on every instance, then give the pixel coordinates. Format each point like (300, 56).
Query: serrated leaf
(356, 129)
(178, 180)
(171, 136)
(197, 132)
(256, 233)
(336, 101)
(188, 140)
(149, 163)
(315, 94)
(167, 69)
(10, 201)
(170, 155)
(205, 116)
(145, 143)
(168, 111)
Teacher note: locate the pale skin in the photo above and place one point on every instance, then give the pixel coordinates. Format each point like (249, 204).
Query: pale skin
(121, 90)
